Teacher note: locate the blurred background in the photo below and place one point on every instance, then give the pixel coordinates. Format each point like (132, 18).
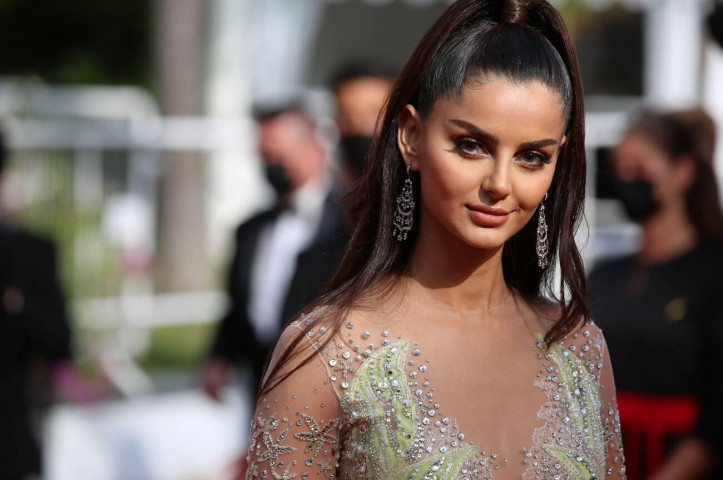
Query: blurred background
(131, 144)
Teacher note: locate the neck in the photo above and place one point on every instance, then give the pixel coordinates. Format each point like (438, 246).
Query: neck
(457, 277)
(668, 234)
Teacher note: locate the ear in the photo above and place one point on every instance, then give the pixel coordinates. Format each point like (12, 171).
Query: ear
(686, 171)
(562, 142)
(409, 132)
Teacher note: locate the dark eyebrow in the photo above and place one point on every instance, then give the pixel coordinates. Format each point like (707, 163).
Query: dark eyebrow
(494, 140)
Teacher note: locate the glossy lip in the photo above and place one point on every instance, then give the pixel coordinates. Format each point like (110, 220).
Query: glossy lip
(486, 216)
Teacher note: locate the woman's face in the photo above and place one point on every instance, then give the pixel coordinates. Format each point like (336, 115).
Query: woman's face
(638, 157)
(485, 159)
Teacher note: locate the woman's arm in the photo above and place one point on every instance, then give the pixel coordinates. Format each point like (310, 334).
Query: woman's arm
(295, 429)
(614, 458)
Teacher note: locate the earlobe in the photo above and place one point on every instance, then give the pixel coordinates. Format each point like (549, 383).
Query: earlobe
(687, 172)
(408, 133)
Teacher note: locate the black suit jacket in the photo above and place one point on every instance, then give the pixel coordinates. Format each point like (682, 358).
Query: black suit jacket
(33, 323)
(235, 340)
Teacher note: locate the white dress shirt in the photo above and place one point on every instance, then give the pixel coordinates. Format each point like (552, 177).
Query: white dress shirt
(274, 264)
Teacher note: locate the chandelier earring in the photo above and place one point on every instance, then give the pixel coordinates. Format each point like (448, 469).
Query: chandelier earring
(542, 245)
(404, 215)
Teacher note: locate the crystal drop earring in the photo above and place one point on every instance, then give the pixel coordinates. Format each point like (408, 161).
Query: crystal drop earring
(404, 216)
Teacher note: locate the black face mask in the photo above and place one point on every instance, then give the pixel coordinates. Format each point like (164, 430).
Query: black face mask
(637, 198)
(355, 149)
(278, 179)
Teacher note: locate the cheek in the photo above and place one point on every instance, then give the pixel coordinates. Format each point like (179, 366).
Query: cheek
(445, 178)
(529, 187)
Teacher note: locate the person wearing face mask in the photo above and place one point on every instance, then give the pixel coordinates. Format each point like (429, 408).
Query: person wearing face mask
(266, 283)
(360, 90)
(662, 308)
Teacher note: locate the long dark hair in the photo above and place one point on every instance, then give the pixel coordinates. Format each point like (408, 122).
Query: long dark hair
(520, 40)
(690, 133)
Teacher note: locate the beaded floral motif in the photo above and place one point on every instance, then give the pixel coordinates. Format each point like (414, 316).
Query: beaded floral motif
(392, 427)
(317, 435)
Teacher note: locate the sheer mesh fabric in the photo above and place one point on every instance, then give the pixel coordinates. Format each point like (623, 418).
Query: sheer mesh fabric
(381, 403)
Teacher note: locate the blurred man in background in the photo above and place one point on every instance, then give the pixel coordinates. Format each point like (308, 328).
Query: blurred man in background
(265, 278)
(360, 90)
(35, 342)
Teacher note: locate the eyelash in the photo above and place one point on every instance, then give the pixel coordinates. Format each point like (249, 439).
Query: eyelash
(462, 145)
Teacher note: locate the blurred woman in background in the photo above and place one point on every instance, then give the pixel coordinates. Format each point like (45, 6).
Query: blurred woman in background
(662, 308)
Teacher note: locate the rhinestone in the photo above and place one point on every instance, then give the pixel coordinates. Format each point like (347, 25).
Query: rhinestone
(461, 436)
(385, 333)
(395, 384)
(574, 374)
(346, 355)
(350, 325)
(332, 362)
(309, 462)
(418, 393)
(322, 330)
(445, 420)
(423, 368)
(366, 335)
(432, 413)
(368, 352)
(416, 352)
(344, 384)
(413, 374)
(426, 421)
(443, 449)
(333, 378)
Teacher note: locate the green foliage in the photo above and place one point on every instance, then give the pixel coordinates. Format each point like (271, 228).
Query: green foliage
(178, 347)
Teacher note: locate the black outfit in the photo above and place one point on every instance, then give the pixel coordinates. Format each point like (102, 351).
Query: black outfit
(235, 339)
(664, 328)
(34, 324)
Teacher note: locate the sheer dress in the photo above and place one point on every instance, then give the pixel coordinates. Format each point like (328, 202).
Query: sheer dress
(377, 404)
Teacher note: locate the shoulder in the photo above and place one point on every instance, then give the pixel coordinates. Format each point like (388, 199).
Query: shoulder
(257, 220)
(586, 344)
(303, 339)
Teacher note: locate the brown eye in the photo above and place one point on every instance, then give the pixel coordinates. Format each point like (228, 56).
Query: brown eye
(534, 159)
(469, 146)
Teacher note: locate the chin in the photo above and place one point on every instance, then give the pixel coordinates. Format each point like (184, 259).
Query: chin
(486, 240)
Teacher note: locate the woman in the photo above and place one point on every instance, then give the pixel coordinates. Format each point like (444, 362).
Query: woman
(433, 354)
(662, 308)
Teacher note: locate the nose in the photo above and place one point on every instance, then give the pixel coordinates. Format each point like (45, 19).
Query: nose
(497, 182)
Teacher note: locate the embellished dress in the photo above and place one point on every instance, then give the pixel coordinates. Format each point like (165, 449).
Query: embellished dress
(376, 404)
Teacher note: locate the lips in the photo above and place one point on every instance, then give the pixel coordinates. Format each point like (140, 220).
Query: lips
(487, 217)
